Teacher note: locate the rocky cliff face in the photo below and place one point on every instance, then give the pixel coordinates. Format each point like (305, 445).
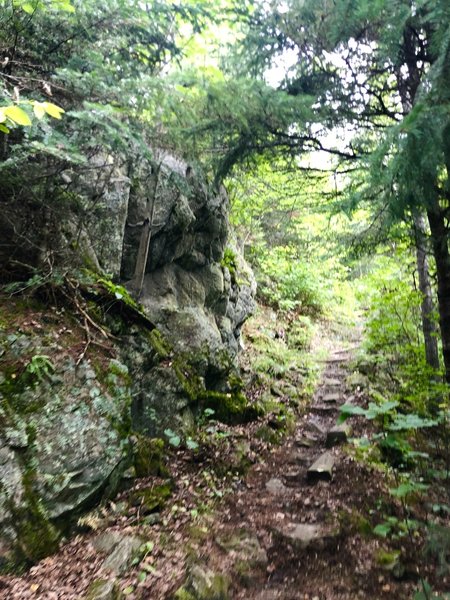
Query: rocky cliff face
(66, 416)
(187, 289)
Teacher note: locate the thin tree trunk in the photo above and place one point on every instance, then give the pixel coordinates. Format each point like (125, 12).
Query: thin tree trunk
(407, 96)
(439, 236)
(429, 326)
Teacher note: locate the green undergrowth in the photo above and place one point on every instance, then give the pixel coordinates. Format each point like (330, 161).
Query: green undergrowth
(278, 356)
(408, 416)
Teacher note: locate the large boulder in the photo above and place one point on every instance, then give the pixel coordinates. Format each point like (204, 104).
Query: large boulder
(196, 288)
(63, 440)
(64, 422)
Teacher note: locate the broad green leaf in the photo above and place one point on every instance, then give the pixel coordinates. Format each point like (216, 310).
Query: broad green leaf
(38, 109)
(28, 8)
(410, 421)
(382, 529)
(142, 576)
(376, 410)
(174, 439)
(16, 114)
(348, 410)
(407, 488)
(147, 547)
(64, 5)
(53, 110)
(4, 129)
(191, 444)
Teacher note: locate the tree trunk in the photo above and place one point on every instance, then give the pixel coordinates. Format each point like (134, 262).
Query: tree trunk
(439, 236)
(407, 95)
(429, 327)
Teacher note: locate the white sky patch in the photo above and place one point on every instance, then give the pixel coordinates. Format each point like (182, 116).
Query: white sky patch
(280, 68)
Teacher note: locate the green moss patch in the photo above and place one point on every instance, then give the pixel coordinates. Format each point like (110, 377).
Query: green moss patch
(230, 407)
(159, 344)
(149, 457)
(36, 535)
(151, 499)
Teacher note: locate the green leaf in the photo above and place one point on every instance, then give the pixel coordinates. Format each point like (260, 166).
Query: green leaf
(424, 593)
(4, 129)
(407, 488)
(142, 576)
(377, 410)
(410, 421)
(16, 114)
(147, 547)
(348, 410)
(191, 444)
(64, 5)
(382, 529)
(28, 8)
(38, 109)
(174, 439)
(53, 110)
(128, 590)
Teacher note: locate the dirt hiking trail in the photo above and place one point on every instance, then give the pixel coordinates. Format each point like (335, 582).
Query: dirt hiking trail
(299, 516)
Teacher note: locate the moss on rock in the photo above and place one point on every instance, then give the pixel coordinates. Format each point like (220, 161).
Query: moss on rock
(159, 344)
(232, 407)
(149, 457)
(103, 589)
(36, 536)
(204, 584)
(151, 498)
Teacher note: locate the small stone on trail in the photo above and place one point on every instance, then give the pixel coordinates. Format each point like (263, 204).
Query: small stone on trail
(103, 589)
(322, 468)
(316, 426)
(332, 382)
(304, 535)
(339, 434)
(336, 359)
(107, 541)
(123, 554)
(246, 546)
(305, 441)
(334, 397)
(323, 407)
(292, 476)
(276, 486)
(204, 584)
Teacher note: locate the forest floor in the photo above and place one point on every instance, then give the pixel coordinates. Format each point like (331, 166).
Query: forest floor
(279, 531)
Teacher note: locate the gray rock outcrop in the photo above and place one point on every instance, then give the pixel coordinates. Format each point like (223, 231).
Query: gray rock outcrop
(62, 443)
(63, 425)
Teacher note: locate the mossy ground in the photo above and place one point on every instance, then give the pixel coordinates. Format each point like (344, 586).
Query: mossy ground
(151, 498)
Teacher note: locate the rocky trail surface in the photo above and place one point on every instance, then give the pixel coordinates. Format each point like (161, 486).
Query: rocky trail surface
(298, 520)
(295, 527)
